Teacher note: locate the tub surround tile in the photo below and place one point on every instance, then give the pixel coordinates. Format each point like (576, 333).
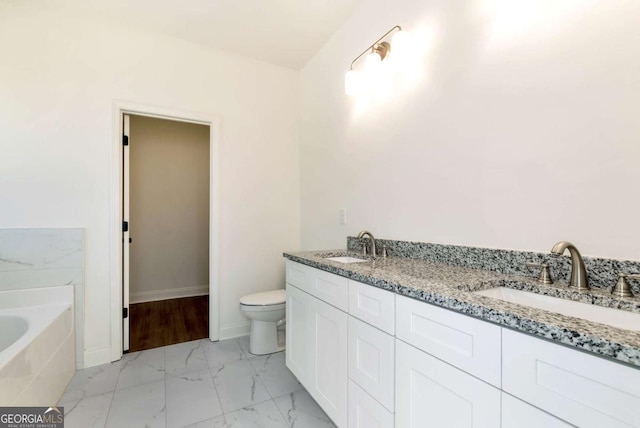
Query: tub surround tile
(191, 397)
(238, 385)
(441, 275)
(36, 258)
(22, 279)
(29, 249)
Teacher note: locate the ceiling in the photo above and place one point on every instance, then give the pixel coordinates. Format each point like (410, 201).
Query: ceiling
(282, 32)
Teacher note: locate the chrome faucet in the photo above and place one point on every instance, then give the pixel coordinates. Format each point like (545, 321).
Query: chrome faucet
(372, 241)
(578, 272)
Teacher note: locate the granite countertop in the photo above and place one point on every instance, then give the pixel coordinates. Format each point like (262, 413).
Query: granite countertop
(452, 287)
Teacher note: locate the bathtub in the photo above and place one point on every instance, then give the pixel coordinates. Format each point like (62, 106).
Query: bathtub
(37, 345)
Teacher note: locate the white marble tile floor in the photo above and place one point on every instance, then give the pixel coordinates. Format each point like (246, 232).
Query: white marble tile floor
(195, 384)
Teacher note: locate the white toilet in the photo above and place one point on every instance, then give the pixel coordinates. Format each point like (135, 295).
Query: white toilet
(265, 310)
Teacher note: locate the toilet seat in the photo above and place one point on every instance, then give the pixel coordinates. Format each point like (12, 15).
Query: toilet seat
(267, 298)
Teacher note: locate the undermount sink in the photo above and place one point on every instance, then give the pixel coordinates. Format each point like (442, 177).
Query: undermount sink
(346, 259)
(613, 317)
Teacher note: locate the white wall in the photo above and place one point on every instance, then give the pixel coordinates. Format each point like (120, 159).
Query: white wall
(59, 74)
(517, 128)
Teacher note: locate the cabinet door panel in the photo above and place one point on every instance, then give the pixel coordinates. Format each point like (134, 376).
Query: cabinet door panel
(365, 411)
(518, 414)
(579, 388)
(298, 357)
(462, 341)
(431, 393)
(371, 361)
(329, 348)
(372, 305)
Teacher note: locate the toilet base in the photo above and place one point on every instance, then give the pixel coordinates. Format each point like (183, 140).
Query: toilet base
(264, 338)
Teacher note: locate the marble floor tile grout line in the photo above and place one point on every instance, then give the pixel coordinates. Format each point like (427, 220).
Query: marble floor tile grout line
(284, 417)
(214, 384)
(186, 396)
(113, 394)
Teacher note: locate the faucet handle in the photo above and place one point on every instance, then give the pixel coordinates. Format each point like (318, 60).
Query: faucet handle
(622, 288)
(545, 275)
(364, 249)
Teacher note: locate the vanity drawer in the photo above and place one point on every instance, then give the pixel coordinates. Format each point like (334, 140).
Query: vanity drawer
(372, 305)
(464, 342)
(371, 361)
(365, 412)
(328, 287)
(582, 389)
(518, 414)
(297, 274)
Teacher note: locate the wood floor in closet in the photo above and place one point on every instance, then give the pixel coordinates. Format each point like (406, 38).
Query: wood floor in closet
(166, 322)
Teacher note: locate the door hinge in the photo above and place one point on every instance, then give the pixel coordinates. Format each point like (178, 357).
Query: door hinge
(125, 312)
(125, 140)
(125, 226)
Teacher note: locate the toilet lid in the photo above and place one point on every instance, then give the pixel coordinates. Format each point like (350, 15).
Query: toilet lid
(274, 297)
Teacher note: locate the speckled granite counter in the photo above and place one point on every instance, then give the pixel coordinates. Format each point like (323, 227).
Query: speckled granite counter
(452, 287)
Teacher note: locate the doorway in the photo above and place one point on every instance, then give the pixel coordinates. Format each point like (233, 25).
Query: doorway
(119, 300)
(166, 234)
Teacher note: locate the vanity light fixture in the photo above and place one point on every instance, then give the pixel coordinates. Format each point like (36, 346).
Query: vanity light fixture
(354, 80)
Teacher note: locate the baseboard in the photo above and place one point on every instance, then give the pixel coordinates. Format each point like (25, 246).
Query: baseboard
(235, 330)
(171, 293)
(96, 357)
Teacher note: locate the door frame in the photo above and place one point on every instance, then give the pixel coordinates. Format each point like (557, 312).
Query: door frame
(120, 108)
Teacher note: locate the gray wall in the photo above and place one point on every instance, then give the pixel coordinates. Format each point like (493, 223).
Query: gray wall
(169, 209)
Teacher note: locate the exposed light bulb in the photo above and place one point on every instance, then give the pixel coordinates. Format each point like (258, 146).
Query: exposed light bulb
(352, 82)
(372, 62)
(401, 45)
(372, 68)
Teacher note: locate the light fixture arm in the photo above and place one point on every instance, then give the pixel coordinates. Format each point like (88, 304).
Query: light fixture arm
(381, 48)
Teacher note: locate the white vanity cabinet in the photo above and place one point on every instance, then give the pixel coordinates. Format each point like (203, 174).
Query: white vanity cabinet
(365, 411)
(431, 393)
(371, 356)
(371, 361)
(436, 350)
(298, 333)
(518, 414)
(328, 348)
(581, 389)
(344, 362)
(470, 344)
(317, 338)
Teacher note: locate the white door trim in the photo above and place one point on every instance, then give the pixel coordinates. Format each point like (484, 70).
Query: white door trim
(119, 108)
(126, 120)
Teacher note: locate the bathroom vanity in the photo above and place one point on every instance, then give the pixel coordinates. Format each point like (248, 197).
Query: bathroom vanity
(409, 342)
